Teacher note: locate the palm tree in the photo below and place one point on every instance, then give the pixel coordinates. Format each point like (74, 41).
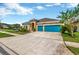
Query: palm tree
(67, 18)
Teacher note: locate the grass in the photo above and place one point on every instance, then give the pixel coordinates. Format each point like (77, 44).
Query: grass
(4, 35)
(67, 37)
(17, 32)
(14, 31)
(73, 50)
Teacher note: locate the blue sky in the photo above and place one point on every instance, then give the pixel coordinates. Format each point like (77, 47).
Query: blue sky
(22, 12)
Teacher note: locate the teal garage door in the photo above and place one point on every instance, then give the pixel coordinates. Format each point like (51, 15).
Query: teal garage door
(40, 28)
(52, 28)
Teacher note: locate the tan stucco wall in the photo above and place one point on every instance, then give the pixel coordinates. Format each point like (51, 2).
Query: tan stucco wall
(35, 25)
(28, 27)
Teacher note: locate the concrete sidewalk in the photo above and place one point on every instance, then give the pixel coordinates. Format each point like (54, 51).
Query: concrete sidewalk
(37, 43)
(73, 44)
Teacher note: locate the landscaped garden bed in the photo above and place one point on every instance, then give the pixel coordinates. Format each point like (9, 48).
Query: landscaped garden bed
(4, 35)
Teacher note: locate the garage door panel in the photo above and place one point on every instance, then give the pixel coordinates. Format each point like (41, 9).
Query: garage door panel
(40, 28)
(52, 28)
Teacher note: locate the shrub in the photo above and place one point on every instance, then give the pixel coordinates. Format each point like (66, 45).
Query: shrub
(68, 28)
(34, 29)
(63, 29)
(23, 30)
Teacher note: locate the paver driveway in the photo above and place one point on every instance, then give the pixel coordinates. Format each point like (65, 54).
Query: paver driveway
(37, 43)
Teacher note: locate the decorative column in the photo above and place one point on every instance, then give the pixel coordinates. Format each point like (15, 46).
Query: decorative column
(43, 28)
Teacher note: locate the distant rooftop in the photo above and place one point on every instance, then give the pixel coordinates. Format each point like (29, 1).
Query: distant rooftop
(47, 19)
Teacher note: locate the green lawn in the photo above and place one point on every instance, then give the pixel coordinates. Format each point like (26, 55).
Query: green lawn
(4, 35)
(73, 50)
(14, 31)
(67, 37)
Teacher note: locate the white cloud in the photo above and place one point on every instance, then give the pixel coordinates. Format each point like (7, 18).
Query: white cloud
(68, 5)
(53, 4)
(49, 5)
(19, 9)
(5, 11)
(57, 4)
(40, 7)
(72, 5)
(8, 10)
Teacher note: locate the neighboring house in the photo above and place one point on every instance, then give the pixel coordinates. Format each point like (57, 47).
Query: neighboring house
(45, 24)
(76, 22)
(4, 25)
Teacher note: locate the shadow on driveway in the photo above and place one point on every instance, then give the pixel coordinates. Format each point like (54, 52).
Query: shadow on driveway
(3, 52)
